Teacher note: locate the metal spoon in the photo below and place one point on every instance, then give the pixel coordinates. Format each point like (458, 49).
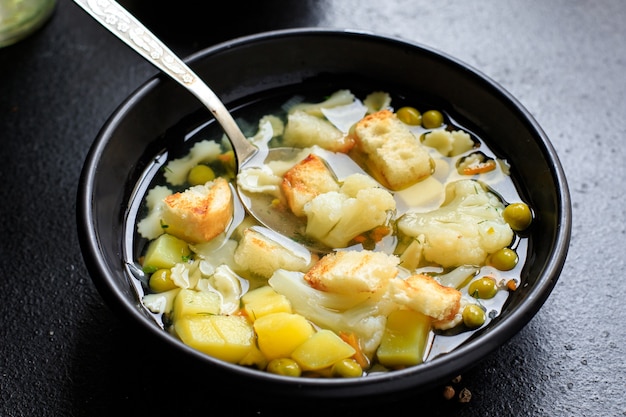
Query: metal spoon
(126, 27)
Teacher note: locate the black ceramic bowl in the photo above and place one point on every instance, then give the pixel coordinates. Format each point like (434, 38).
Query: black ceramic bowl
(253, 67)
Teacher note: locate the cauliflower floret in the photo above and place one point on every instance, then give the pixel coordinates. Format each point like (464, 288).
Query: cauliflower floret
(200, 275)
(334, 218)
(338, 98)
(305, 130)
(270, 126)
(354, 183)
(150, 227)
(226, 284)
(176, 170)
(343, 117)
(363, 314)
(464, 230)
(342, 109)
(377, 101)
(259, 180)
(162, 302)
(186, 275)
(325, 124)
(262, 179)
(449, 143)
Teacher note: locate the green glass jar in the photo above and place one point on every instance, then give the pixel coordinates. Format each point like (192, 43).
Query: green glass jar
(20, 18)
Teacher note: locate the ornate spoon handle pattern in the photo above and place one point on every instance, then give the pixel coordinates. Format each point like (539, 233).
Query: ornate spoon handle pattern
(126, 27)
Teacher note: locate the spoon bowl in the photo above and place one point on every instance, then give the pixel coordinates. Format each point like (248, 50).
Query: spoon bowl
(286, 224)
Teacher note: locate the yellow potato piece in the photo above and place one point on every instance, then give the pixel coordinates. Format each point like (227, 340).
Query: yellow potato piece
(263, 301)
(405, 339)
(321, 350)
(165, 252)
(278, 334)
(254, 358)
(190, 302)
(229, 338)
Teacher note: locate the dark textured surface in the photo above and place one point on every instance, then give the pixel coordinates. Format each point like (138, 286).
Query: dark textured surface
(64, 353)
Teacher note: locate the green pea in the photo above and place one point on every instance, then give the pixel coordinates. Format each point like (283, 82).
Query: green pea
(409, 115)
(504, 259)
(347, 368)
(161, 280)
(432, 119)
(485, 288)
(200, 174)
(473, 316)
(284, 366)
(518, 216)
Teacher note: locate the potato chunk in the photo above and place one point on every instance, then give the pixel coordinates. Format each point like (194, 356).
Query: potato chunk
(322, 350)
(405, 339)
(165, 252)
(279, 334)
(194, 303)
(229, 338)
(263, 301)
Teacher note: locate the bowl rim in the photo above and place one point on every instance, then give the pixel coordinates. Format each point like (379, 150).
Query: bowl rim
(434, 371)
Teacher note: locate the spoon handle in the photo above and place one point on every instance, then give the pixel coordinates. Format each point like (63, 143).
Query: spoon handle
(126, 27)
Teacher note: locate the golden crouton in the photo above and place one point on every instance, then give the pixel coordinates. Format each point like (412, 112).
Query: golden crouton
(262, 256)
(391, 150)
(306, 180)
(424, 294)
(348, 272)
(200, 213)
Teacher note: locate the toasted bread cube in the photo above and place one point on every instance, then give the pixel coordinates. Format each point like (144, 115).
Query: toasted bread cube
(306, 180)
(391, 150)
(304, 130)
(349, 272)
(425, 295)
(262, 256)
(200, 213)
